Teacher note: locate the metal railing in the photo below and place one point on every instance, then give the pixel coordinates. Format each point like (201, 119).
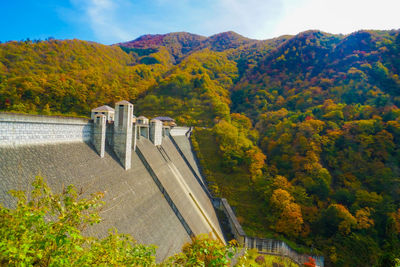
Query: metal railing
(263, 245)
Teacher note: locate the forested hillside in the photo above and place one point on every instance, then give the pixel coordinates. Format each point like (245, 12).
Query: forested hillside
(326, 109)
(302, 132)
(71, 76)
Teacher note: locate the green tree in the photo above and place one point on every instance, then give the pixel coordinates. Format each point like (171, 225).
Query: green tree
(45, 229)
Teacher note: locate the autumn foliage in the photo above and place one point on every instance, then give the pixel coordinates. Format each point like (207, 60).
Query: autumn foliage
(305, 129)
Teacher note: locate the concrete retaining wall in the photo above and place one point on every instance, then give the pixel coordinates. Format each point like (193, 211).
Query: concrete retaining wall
(23, 129)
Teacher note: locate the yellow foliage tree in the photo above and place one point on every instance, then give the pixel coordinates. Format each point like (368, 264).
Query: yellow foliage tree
(281, 198)
(291, 220)
(281, 182)
(348, 220)
(257, 160)
(363, 218)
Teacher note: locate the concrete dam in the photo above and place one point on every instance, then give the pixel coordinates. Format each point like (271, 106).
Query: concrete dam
(147, 170)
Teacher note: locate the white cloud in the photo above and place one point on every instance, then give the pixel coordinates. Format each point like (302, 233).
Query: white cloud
(339, 16)
(271, 18)
(102, 18)
(252, 18)
(114, 21)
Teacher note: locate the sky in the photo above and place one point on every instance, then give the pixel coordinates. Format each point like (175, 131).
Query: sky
(113, 21)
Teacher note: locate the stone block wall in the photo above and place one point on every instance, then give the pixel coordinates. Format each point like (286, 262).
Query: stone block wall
(24, 129)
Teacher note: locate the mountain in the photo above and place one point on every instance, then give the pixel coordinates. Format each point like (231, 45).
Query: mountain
(180, 44)
(182, 39)
(301, 133)
(324, 62)
(226, 40)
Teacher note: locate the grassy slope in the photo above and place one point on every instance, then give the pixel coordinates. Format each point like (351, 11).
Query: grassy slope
(235, 187)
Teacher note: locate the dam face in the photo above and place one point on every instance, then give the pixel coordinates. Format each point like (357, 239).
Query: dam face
(157, 199)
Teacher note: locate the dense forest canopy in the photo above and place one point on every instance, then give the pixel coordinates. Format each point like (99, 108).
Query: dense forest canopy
(302, 132)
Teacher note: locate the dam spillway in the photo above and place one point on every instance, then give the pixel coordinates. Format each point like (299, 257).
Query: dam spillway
(182, 186)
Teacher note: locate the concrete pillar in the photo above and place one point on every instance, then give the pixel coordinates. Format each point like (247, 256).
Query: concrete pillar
(99, 134)
(123, 132)
(156, 132)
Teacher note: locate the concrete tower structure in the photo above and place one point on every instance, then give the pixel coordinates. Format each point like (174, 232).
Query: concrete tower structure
(99, 134)
(105, 110)
(156, 129)
(123, 132)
